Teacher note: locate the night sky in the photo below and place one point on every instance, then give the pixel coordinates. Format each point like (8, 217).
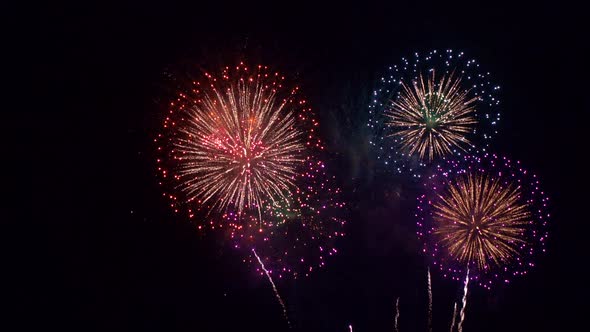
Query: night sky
(93, 246)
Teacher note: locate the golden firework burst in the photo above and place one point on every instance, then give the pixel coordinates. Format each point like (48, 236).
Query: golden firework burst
(478, 219)
(432, 118)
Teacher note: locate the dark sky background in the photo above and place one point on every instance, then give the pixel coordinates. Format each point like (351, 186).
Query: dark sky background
(92, 245)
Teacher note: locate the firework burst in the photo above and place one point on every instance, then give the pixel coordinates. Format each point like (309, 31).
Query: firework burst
(239, 151)
(431, 119)
(295, 237)
(479, 220)
(483, 213)
(430, 106)
(235, 142)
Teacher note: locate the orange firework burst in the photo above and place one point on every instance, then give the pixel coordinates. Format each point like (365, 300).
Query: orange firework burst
(480, 220)
(432, 118)
(237, 141)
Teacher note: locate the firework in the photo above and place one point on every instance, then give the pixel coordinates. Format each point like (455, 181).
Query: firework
(479, 220)
(295, 237)
(240, 151)
(483, 213)
(430, 106)
(432, 119)
(234, 142)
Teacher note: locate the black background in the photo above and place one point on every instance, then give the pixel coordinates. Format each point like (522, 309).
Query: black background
(90, 244)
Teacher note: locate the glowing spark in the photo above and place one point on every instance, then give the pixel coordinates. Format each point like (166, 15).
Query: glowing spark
(431, 119)
(274, 288)
(453, 319)
(429, 302)
(350, 328)
(480, 220)
(396, 317)
(462, 315)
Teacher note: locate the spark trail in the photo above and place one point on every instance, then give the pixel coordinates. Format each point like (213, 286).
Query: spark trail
(274, 288)
(453, 320)
(396, 318)
(462, 315)
(429, 302)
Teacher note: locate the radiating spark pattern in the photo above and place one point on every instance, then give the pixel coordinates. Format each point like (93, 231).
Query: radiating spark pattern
(464, 302)
(239, 147)
(431, 119)
(274, 288)
(431, 105)
(239, 151)
(235, 142)
(484, 213)
(480, 220)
